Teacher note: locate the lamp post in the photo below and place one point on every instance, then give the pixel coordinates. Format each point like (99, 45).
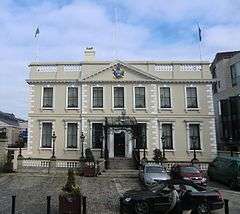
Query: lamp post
(82, 137)
(194, 141)
(163, 147)
(101, 139)
(53, 150)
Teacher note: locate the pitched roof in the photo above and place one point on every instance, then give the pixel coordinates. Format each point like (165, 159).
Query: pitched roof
(224, 55)
(9, 119)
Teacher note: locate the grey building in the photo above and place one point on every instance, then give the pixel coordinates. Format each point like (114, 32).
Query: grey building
(225, 70)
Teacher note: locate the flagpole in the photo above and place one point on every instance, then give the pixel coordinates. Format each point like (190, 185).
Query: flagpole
(36, 36)
(199, 46)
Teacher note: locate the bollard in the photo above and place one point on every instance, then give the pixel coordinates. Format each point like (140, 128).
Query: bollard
(226, 207)
(13, 203)
(48, 204)
(84, 204)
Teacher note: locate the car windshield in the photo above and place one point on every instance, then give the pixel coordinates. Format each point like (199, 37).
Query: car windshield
(154, 169)
(157, 187)
(189, 188)
(189, 169)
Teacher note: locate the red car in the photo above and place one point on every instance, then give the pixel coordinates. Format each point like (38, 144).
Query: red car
(188, 172)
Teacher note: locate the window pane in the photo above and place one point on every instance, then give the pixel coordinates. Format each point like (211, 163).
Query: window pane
(48, 97)
(97, 133)
(72, 135)
(194, 134)
(97, 97)
(141, 141)
(165, 97)
(46, 135)
(235, 73)
(72, 97)
(118, 97)
(192, 97)
(140, 97)
(167, 134)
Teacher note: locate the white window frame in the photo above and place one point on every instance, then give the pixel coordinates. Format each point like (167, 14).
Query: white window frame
(97, 86)
(159, 94)
(188, 135)
(198, 103)
(173, 135)
(53, 106)
(65, 135)
(124, 106)
(91, 128)
(66, 104)
(134, 97)
(40, 131)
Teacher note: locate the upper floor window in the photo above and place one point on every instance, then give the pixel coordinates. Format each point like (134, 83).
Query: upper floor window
(192, 100)
(194, 135)
(72, 135)
(97, 97)
(235, 73)
(165, 97)
(47, 97)
(140, 97)
(167, 135)
(46, 135)
(72, 97)
(97, 135)
(118, 97)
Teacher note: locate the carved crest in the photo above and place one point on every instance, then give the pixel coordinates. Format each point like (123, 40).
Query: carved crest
(118, 72)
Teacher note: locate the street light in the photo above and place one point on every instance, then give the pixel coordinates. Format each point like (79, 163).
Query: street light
(194, 141)
(82, 141)
(53, 139)
(163, 147)
(101, 139)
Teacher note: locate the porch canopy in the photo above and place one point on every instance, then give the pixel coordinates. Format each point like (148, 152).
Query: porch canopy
(121, 121)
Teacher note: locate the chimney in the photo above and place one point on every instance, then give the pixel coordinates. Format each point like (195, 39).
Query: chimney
(89, 54)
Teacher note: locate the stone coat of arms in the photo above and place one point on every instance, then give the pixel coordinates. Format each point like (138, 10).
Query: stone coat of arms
(118, 72)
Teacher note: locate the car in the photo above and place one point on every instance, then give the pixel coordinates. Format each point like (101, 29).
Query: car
(188, 172)
(225, 170)
(151, 173)
(160, 199)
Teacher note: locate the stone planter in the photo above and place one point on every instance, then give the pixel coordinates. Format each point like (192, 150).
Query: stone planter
(69, 204)
(89, 169)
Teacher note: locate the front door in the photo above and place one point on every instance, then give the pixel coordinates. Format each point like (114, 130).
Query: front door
(119, 144)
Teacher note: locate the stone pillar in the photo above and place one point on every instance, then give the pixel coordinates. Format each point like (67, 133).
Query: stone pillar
(52, 166)
(20, 163)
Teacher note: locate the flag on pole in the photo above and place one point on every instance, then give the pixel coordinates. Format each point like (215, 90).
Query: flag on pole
(37, 32)
(199, 34)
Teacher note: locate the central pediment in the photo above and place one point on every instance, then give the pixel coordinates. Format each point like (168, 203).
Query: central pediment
(120, 71)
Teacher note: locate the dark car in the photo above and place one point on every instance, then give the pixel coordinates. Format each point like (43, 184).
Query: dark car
(160, 198)
(188, 172)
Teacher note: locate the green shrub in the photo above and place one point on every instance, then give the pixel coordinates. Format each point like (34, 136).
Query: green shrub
(157, 155)
(70, 186)
(89, 155)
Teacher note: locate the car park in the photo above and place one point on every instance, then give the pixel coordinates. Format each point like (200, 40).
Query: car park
(188, 172)
(225, 170)
(151, 173)
(160, 199)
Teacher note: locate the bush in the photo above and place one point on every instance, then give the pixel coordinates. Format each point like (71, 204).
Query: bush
(70, 186)
(157, 155)
(89, 155)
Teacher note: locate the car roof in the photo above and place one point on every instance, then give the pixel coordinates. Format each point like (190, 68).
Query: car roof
(153, 164)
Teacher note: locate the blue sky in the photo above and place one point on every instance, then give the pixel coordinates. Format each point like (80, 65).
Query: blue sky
(146, 29)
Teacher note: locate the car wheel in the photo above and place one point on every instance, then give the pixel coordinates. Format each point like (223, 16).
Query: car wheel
(142, 207)
(202, 209)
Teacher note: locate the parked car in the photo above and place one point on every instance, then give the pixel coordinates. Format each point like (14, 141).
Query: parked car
(151, 173)
(160, 198)
(225, 170)
(188, 172)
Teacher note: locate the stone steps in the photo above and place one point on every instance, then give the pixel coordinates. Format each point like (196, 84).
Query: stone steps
(121, 163)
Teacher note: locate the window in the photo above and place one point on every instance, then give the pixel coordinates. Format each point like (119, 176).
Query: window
(140, 97)
(194, 135)
(72, 97)
(168, 136)
(97, 97)
(165, 97)
(72, 135)
(48, 97)
(192, 97)
(97, 134)
(46, 135)
(141, 141)
(214, 87)
(235, 73)
(118, 97)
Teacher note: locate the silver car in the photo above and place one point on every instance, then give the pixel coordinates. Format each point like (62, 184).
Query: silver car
(150, 174)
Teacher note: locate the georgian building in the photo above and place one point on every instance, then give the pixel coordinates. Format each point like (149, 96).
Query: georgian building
(167, 101)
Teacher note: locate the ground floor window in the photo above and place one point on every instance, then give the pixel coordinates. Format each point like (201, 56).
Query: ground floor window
(141, 140)
(97, 135)
(194, 135)
(46, 135)
(167, 135)
(72, 136)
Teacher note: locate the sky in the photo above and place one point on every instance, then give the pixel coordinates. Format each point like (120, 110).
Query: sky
(126, 29)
